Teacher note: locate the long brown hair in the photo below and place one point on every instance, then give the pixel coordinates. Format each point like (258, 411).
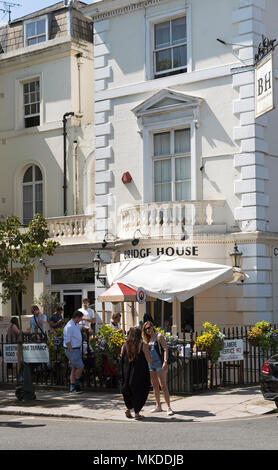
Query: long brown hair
(132, 343)
(145, 336)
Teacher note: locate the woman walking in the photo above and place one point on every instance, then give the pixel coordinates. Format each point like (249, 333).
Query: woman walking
(135, 376)
(158, 366)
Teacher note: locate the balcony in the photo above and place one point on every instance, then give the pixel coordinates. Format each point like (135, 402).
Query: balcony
(173, 219)
(72, 229)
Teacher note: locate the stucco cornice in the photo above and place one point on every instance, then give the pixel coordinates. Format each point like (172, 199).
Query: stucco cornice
(55, 46)
(121, 10)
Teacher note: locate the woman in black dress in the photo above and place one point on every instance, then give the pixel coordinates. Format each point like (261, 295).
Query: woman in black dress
(135, 376)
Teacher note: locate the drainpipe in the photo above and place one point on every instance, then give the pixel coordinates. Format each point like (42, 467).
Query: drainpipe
(78, 58)
(65, 116)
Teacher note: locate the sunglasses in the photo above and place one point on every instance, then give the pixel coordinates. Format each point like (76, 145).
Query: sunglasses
(148, 328)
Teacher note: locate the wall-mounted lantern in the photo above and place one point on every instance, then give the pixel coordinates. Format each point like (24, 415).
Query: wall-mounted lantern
(236, 257)
(97, 264)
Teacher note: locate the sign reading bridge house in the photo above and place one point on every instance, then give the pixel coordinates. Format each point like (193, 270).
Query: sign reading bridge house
(157, 251)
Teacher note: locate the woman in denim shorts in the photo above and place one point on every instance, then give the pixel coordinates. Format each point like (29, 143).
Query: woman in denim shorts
(158, 366)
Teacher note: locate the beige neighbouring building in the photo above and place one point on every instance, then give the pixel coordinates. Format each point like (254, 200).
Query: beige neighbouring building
(46, 73)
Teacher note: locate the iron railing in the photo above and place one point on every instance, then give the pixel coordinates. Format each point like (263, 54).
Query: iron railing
(191, 372)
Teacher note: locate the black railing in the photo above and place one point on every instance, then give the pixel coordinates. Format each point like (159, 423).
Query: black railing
(191, 372)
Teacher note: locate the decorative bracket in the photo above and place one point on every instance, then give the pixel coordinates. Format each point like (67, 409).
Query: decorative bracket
(266, 46)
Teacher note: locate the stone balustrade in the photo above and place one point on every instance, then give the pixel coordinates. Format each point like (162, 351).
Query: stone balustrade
(173, 219)
(71, 229)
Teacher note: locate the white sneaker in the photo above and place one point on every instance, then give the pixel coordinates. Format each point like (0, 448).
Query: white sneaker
(157, 409)
(170, 412)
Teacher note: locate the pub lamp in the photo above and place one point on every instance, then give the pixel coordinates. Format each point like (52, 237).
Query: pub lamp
(236, 257)
(105, 242)
(135, 241)
(97, 263)
(42, 262)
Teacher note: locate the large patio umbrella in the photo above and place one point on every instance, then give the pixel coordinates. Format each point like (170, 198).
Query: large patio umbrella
(166, 277)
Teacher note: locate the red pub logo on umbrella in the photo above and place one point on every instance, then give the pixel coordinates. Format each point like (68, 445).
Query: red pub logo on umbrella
(141, 295)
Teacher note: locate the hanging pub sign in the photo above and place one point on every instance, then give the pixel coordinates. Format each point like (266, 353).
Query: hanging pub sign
(264, 100)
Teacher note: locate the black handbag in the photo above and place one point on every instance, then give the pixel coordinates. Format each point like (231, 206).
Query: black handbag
(171, 357)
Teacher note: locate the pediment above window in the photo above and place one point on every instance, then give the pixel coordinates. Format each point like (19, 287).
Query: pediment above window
(166, 101)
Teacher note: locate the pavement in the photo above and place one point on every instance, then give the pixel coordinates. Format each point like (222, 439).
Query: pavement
(221, 404)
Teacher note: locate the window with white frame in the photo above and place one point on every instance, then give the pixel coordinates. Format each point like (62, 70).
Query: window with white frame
(31, 102)
(170, 47)
(35, 31)
(32, 187)
(172, 165)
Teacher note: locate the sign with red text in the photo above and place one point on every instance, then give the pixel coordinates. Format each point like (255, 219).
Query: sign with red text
(232, 351)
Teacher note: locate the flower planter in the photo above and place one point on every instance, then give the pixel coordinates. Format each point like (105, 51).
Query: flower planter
(254, 342)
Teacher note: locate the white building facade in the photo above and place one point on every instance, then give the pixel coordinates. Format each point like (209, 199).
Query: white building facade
(180, 160)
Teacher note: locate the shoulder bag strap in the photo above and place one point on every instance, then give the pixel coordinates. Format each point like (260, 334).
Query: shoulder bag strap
(43, 333)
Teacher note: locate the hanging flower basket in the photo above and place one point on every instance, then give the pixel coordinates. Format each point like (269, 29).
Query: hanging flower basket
(254, 342)
(211, 341)
(264, 336)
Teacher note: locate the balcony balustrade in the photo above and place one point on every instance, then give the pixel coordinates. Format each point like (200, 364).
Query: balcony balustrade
(173, 219)
(72, 229)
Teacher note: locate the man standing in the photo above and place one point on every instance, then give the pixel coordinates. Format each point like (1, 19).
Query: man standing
(89, 316)
(73, 350)
(115, 322)
(38, 321)
(56, 320)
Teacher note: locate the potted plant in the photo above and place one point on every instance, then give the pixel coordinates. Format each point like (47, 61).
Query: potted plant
(211, 340)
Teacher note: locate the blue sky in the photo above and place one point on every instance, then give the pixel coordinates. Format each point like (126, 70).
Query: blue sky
(27, 6)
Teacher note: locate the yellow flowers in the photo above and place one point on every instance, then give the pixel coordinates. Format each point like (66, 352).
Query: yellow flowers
(205, 341)
(211, 341)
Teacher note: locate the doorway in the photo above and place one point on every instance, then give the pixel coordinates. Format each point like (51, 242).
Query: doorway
(187, 315)
(72, 301)
(162, 313)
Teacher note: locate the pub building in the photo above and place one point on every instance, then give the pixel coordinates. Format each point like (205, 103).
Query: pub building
(183, 161)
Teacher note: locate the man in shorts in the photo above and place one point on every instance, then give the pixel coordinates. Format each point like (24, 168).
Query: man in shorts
(73, 350)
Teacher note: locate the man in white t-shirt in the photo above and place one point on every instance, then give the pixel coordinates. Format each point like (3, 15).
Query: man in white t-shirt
(89, 316)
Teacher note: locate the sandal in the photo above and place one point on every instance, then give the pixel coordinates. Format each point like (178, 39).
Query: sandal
(139, 417)
(128, 414)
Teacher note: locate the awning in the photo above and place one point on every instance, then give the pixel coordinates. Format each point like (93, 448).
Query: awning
(118, 292)
(166, 277)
